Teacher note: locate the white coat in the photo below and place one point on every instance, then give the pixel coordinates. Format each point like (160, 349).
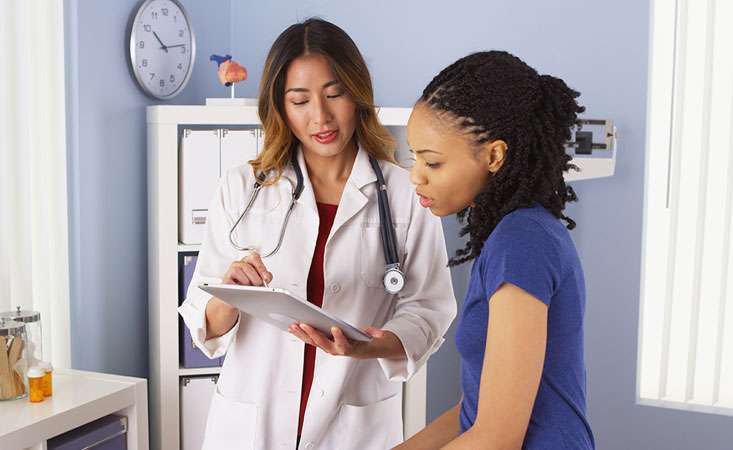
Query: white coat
(353, 404)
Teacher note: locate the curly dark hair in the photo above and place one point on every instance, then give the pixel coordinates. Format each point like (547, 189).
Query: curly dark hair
(497, 96)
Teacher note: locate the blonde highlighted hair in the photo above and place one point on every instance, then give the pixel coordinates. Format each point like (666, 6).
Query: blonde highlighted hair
(325, 38)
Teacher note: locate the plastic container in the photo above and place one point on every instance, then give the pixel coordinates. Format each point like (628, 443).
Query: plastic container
(13, 362)
(32, 321)
(35, 384)
(47, 378)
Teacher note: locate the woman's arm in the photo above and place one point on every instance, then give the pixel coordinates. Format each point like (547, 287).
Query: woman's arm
(440, 431)
(515, 352)
(220, 318)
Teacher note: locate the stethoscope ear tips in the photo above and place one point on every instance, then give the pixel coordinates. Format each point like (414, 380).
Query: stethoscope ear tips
(394, 280)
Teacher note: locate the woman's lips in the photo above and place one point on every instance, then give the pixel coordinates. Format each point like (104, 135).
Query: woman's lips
(326, 137)
(425, 202)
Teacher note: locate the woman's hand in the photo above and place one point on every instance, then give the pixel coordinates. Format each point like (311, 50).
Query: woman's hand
(220, 315)
(248, 271)
(384, 344)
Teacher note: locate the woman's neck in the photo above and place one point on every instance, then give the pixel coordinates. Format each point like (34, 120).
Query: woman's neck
(328, 174)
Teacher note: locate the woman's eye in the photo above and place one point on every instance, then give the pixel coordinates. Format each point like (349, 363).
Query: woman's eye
(335, 95)
(299, 103)
(433, 165)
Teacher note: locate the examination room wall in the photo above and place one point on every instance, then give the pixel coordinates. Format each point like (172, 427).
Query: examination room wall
(600, 48)
(107, 176)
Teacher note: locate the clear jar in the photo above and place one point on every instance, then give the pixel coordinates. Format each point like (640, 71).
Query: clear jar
(13, 360)
(32, 321)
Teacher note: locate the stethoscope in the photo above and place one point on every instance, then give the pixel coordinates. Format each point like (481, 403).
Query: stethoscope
(394, 279)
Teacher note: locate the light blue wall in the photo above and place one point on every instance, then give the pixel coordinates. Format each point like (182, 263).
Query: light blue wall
(600, 48)
(107, 177)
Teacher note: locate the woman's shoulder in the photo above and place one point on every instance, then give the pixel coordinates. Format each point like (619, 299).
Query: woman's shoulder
(531, 231)
(522, 230)
(534, 222)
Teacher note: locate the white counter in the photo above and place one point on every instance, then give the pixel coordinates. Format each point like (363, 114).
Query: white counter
(79, 397)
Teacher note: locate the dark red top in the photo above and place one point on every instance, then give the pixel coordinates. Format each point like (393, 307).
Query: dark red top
(326, 213)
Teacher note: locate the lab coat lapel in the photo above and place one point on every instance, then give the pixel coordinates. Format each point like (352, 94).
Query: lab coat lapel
(307, 199)
(303, 231)
(353, 199)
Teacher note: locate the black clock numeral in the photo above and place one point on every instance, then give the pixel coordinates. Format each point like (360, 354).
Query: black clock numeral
(141, 44)
(180, 33)
(164, 11)
(175, 18)
(145, 63)
(154, 15)
(152, 75)
(147, 28)
(183, 49)
(162, 83)
(180, 66)
(172, 79)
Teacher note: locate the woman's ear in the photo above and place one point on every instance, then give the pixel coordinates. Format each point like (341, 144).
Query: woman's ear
(494, 153)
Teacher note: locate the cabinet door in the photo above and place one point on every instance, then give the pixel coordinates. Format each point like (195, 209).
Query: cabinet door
(198, 177)
(195, 395)
(237, 148)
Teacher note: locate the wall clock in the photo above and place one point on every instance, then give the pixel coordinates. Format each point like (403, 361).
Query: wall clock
(162, 47)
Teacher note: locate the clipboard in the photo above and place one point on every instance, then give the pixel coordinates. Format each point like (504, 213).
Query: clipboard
(281, 308)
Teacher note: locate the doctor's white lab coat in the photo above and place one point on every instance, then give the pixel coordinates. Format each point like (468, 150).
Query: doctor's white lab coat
(353, 404)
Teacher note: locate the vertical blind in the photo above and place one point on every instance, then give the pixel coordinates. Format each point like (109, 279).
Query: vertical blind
(686, 312)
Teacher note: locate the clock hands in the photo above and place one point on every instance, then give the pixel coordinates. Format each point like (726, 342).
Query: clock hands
(177, 45)
(162, 45)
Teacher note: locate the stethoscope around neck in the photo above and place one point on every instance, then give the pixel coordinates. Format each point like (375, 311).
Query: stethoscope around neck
(393, 280)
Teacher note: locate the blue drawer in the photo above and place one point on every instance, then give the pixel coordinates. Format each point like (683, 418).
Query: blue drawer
(107, 433)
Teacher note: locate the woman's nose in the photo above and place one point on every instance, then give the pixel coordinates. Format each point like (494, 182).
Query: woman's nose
(321, 114)
(416, 176)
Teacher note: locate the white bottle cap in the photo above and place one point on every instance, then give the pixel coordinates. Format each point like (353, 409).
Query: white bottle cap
(35, 372)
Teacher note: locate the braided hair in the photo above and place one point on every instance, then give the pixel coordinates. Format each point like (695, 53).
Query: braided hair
(496, 96)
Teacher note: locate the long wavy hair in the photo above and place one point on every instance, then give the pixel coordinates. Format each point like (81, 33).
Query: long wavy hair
(496, 96)
(325, 38)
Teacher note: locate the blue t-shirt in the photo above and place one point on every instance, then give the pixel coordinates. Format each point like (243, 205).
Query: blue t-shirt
(532, 250)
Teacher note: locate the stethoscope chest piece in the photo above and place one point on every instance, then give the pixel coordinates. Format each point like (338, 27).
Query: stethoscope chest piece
(394, 280)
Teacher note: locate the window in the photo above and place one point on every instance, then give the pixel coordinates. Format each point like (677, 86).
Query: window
(686, 311)
(34, 272)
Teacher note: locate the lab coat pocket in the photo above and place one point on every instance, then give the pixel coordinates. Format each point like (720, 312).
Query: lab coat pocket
(371, 257)
(377, 426)
(231, 425)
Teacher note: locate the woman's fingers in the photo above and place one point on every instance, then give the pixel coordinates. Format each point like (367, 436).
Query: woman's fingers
(300, 334)
(339, 339)
(319, 340)
(374, 332)
(252, 275)
(254, 260)
(235, 275)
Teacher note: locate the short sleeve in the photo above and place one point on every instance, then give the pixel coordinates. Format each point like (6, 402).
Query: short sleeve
(521, 252)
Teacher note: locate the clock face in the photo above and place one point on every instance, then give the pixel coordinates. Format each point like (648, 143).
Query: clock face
(162, 48)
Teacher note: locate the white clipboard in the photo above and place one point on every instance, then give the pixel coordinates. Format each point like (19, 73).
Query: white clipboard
(281, 308)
